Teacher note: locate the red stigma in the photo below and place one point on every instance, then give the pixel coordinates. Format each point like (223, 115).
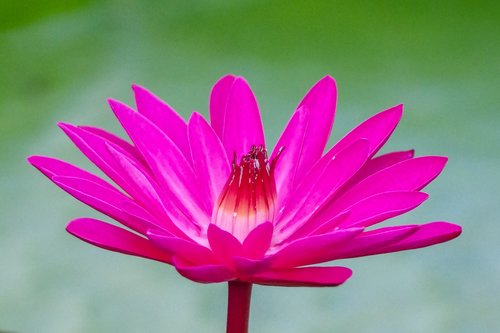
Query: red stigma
(249, 195)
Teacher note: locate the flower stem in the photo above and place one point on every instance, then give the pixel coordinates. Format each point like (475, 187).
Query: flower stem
(238, 306)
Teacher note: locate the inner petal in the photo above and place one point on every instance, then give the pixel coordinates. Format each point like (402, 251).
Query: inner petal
(249, 196)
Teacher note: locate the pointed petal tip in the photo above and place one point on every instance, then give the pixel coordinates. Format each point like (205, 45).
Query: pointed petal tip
(135, 87)
(116, 104)
(424, 196)
(391, 115)
(395, 111)
(113, 238)
(113, 102)
(140, 91)
(326, 85)
(225, 79)
(322, 96)
(195, 117)
(329, 80)
(33, 159)
(66, 127)
(215, 233)
(453, 230)
(312, 276)
(440, 161)
(400, 110)
(258, 240)
(38, 162)
(41, 163)
(74, 226)
(119, 107)
(345, 273)
(70, 227)
(228, 76)
(428, 234)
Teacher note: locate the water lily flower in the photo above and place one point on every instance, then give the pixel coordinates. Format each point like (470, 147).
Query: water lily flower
(212, 200)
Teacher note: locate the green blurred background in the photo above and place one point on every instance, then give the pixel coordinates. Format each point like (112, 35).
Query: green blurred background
(60, 60)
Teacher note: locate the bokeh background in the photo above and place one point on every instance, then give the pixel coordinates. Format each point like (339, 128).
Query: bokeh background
(60, 60)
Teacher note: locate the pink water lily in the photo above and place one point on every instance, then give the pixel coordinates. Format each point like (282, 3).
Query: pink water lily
(210, 200)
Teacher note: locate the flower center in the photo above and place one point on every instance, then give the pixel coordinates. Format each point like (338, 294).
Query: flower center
(249, 195)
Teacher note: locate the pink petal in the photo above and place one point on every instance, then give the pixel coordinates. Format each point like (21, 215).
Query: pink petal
(376, 130)
(223, 244)
(203, 273)
(218, 102)
(94, 147)
(325, 227)
(51, 167)
(110, 137)
(305, 251)
(381, 162)
(167, 162)
(376, 164)
(209, 157)
(110, 237)
(144, 186)
(162, 115)
(151, 196)
(304, 277)
(189, 251)
(319, 185)
(428, 234)
(289, 148)
(236, 117)
(137, 213)
(369, 242)
(305, 136)
(258, 240)
(380, 207)
(408, 175)
(106, 200)
(246, 267)
(89, 189)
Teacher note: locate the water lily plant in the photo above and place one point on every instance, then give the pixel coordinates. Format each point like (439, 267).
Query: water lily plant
(212, 200)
